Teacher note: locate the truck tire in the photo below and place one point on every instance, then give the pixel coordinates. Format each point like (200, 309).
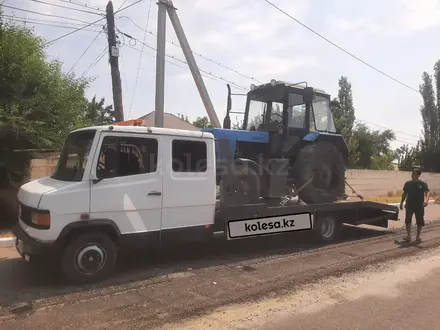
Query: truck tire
(89, 258)
(324, 160)
(246, 184)
(327, 228)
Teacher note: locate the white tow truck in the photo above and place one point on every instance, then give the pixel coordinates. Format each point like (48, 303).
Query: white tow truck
(121, 187)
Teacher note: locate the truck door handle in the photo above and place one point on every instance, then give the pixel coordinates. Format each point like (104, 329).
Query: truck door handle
(154, 193)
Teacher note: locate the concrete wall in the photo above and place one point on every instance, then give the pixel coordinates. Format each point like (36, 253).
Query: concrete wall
(42, 167)
(365, 182)
(380, 183)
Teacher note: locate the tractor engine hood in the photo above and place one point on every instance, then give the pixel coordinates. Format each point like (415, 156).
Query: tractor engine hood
(239, 135)
(233, 135)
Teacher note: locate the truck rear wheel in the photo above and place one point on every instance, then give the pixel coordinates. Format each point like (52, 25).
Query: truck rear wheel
(324, 161)
(89, 258)
(327, 228)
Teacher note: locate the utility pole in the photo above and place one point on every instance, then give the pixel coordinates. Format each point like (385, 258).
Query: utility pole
(166, 6)
(160, 64)
(114, 63)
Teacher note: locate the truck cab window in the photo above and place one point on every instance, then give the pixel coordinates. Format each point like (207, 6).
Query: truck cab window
(189, 156)
(124, 156)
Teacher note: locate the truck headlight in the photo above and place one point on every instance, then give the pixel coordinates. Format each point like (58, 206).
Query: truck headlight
(41, 219)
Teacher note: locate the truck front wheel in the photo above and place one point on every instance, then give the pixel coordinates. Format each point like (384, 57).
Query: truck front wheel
(89, 258)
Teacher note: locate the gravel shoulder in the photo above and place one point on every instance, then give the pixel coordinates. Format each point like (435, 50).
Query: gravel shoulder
(392, 295)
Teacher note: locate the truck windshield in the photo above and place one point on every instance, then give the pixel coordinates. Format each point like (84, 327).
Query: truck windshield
(74, 156)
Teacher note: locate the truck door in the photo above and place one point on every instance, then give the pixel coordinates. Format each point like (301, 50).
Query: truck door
(189, 186)
(128, 189)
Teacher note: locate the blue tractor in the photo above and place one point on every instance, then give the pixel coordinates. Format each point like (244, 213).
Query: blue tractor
(287, 145)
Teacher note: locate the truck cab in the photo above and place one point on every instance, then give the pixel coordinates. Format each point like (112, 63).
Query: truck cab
(132, 183)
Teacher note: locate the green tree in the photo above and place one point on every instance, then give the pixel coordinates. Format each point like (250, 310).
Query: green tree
(343, 112)
(382, 162)
(238, 124)
(202, 122)
(430, 111)
(371, 145)
(183, 117)
(343, 108)
(39, 104)
(99, 114)
(407, 157)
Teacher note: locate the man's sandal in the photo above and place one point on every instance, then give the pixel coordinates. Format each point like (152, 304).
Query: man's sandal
(418, 241)
(407, 239)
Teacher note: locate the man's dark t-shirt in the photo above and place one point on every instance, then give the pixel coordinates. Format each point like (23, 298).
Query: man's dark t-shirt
(415, 190)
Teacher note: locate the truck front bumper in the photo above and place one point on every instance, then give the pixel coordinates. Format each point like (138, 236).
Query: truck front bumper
(31, 248)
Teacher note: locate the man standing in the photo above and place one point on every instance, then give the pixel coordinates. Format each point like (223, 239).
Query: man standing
(416, 193)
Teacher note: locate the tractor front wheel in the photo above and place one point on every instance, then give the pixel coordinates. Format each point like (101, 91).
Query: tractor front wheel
(246, 184)
(324, 162)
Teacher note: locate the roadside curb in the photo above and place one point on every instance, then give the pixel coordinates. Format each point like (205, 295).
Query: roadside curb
(7, 242)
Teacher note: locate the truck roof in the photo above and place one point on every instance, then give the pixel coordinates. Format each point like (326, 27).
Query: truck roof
(150, 130)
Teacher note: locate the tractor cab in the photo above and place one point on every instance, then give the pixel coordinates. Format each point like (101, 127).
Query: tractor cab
(288, 113)
(290, 107)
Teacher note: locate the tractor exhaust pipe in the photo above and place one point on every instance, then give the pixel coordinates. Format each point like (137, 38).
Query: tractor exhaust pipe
(227, 120)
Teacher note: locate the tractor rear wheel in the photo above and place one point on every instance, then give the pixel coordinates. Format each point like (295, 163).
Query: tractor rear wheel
(324, 162)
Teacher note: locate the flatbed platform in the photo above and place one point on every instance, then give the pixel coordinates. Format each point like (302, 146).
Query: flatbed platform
(343, 212)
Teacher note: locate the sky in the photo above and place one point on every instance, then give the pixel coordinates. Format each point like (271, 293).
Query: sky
(253, 39)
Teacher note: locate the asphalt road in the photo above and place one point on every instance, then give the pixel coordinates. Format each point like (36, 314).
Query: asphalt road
(156, 289)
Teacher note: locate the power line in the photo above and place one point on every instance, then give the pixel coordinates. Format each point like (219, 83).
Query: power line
(140, 58)
(396, 131)
(51, 25)
(44, 21)
(340, 48)
(126, 7)
(182, 67)
(172, 63)
(85, 51)
(96, 61)
(72, 32)
(78, 29)
(43, 14)
(122, 5)
(65, 7)
(396, 140)
(82, 5)
(184, 62)
(198, 54)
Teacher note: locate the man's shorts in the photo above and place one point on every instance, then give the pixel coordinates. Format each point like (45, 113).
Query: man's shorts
(419, 214)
